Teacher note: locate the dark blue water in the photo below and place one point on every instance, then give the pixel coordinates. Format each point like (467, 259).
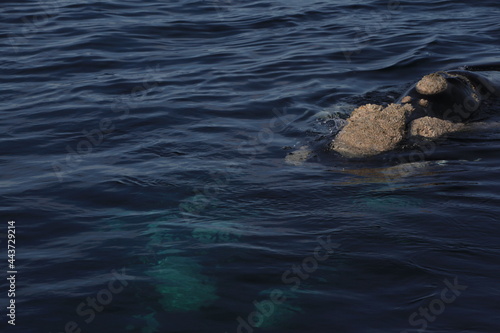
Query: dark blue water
(142, 156)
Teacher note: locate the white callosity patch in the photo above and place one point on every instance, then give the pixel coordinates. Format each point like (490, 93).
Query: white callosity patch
(299, 156)
(430, 127)
(431, 84)
(372, 129)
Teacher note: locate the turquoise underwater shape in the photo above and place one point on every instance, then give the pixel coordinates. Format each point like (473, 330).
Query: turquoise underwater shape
(181, 285)
(179, 279)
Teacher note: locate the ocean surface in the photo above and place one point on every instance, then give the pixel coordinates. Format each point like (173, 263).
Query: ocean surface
(142, 160)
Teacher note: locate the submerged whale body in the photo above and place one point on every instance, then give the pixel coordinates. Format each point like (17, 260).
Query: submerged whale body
(437, 104)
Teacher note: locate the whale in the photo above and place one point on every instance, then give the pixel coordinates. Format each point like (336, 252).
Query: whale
(437, 104)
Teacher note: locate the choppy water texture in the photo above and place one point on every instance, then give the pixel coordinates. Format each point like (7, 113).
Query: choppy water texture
(142, 158)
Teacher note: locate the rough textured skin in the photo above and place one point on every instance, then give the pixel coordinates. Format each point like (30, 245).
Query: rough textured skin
(372, 129)
(406, 99)
(299, 156)
(431, 84)
(432, 128)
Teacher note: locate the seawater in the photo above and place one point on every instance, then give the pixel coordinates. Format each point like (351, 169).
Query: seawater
(142, 156)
